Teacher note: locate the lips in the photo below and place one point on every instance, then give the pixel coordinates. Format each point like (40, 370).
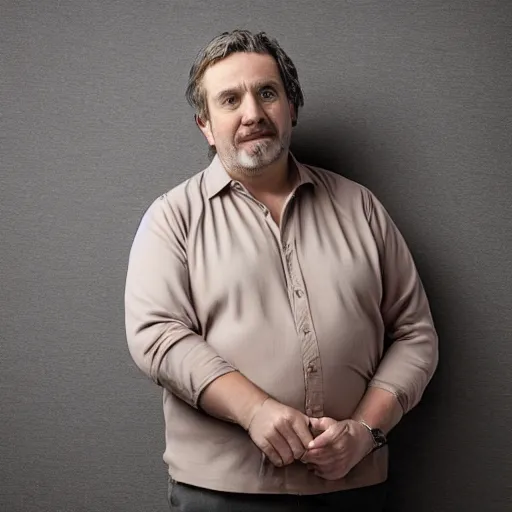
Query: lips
(255, 136)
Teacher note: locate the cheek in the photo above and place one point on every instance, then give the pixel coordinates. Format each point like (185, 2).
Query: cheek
(282, 118)
(224, 131)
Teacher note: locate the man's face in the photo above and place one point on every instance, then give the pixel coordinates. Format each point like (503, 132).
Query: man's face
(250, 117)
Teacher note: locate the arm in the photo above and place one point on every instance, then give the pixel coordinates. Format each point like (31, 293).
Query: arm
(162, 333)
(404, 371)
(410, 361)
(281, 432)
(219, 400)
(379, 408)
(161, 324)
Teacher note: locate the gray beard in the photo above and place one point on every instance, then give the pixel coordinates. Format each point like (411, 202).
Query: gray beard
(264, 154)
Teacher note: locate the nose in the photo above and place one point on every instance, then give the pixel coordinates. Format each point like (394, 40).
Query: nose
(252, 111)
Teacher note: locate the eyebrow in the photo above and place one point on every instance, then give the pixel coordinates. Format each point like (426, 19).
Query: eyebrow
(236, 90)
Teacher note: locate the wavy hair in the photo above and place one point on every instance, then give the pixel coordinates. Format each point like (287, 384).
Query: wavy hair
(241, 41)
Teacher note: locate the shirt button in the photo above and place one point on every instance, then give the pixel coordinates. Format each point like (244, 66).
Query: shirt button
(299, 293)
(306, 330)
(311, 368)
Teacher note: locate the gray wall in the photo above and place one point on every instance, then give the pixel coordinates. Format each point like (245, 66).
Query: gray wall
(411, 98)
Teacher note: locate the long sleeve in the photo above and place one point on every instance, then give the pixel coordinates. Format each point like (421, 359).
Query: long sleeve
(213, 288)
(161, 325)
(411, 359)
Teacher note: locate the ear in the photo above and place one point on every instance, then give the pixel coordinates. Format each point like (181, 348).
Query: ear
(293, 114)
(205, 127)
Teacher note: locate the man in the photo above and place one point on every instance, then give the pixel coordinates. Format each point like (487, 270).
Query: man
(258, 295)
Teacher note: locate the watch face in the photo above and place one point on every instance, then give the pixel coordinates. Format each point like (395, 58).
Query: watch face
(379, 437)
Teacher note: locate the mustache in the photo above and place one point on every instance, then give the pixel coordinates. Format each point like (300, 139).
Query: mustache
(267, 132)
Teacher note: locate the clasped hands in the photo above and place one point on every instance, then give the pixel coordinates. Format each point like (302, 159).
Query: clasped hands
(284, 435)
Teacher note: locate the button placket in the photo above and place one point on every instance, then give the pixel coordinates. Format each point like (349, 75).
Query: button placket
(312, 371)
(288, 255)
(243, 191)
(310, 352)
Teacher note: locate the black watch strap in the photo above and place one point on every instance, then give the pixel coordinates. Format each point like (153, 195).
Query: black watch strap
(379, 438)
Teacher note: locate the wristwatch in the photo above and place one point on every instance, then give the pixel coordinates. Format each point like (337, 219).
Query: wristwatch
(379, 438)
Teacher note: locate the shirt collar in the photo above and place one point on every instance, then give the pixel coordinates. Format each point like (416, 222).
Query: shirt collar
(217, 178)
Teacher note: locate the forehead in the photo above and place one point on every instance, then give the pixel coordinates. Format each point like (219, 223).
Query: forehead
(240, 70)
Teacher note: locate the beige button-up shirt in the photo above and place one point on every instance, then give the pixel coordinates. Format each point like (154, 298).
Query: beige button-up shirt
(301, 309)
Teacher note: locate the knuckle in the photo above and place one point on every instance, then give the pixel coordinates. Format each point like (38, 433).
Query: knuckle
(288, 416)
(285, 420)
(264, 446)
(270, 431)
(298, 452)
(288, 459)
(279, 423)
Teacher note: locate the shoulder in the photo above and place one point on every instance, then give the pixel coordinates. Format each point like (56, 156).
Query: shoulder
(348, 194)
(182, 197)
(185, 194)
(174, 208)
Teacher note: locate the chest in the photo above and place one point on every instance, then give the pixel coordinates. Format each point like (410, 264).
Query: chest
(236, 250)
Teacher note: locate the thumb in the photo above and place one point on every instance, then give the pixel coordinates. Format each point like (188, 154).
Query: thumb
(328, 433)
(321, 424)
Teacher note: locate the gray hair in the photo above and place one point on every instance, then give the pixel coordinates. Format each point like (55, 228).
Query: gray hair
(241, 41)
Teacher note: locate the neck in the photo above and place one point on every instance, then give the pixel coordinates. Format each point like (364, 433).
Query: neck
(276, 179)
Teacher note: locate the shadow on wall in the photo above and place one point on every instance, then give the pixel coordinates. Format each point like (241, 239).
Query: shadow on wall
(416, 444)
(332, 146)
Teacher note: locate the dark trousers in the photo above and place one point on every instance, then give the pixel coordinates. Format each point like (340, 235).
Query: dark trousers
(187, 498)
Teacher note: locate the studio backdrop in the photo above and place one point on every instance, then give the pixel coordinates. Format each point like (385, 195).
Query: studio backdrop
(410, 98)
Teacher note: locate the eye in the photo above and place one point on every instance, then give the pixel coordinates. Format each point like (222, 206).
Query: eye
(268, 93)
(229, 101)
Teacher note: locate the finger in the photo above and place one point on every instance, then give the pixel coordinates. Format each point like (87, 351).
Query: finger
(281, 446)
(318, 455)
(321, 424)
(315, 432)
(272, 455)
(301, 428)
(293, 440)
(328, 437)
(324, 440)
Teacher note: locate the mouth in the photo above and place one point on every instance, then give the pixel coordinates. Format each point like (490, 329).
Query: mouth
(256, 136)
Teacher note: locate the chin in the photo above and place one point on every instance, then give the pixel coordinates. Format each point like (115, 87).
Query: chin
(249, 161)
(259, 158)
